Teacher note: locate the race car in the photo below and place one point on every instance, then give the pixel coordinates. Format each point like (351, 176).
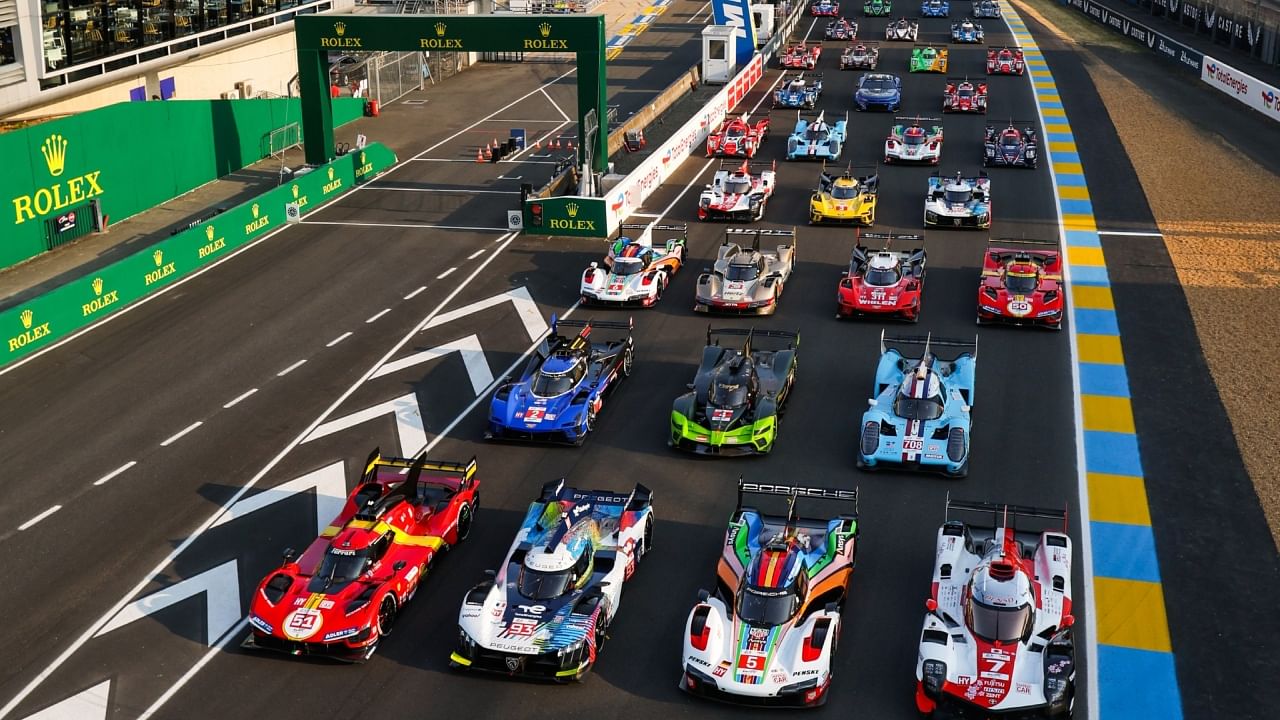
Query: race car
(997, 638)
(878, 90)
(935, 8)
(815, 139)
(877, 8)
(958, 202)
(824, 8)
(862, 56)
(1011, 147)
(1005, 61)
(929, 58)
(545, 613)
(634, 272)
(964, 95)
(883, 283)
(918, 416)
(342, 595)
(1022, 284)
(746, 280)
(801, 56)
(909, 141)
(563, 386)
(736, 194)
(986, 8)
(966, 31)
(767, 634)
(902, 29)
(798, 90)
(736, 395)
(841, 29)
(737, 137)
(848, 197)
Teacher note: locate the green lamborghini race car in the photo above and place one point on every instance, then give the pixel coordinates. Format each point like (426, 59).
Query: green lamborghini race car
(877, 8)
(929, 58)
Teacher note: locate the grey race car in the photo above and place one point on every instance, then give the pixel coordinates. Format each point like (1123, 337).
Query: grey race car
(745, 279)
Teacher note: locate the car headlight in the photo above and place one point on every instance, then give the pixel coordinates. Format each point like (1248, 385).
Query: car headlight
(934, 674)
(930, 216)
(983, 218)
(870, 437)
(466, 644)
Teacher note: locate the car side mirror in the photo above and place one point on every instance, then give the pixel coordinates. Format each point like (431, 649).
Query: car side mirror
(931, 605)
(1067, 621)
(289, 555)
(703, 595)
(706, 269)
(708, 187)
(491, 574)
(966, 408)
(399, 565)
(871, 402)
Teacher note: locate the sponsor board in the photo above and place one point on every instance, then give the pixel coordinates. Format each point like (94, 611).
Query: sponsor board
(1156, 42)
(1242, 86)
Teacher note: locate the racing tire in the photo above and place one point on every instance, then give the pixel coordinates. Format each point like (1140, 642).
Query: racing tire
(387, 611)
(646, 541)
(628, 360)
(465, 518)
(591, 421)
(962, 473)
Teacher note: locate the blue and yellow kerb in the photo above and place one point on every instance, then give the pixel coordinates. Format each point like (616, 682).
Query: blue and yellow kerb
(1135, 669)
(632, 30)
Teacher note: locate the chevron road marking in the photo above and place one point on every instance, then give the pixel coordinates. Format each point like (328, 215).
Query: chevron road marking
(220, 587)
(472, 356)
(413, 437)
(88, 704)
(329, 482)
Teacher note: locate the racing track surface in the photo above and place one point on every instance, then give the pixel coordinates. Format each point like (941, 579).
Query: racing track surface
(181, 358)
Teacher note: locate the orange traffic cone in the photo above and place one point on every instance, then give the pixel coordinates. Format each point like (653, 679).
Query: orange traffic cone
(495, 143)
(555, 144)
(535, 144)
(479, 155)
(568, 145)
(487, 155)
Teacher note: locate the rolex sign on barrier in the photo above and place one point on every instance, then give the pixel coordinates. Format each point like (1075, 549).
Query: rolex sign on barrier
(567, 215)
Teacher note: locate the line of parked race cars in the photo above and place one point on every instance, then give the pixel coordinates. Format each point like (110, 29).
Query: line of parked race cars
(997, 633)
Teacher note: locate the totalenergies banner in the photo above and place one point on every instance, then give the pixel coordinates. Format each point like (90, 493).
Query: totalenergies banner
(1242, 86)
(48, 318)
(627, 196)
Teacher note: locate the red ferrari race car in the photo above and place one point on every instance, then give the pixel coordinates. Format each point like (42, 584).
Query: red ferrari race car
(1005, 61)
(341, 597)
(964, 95)
(886, 282)
(801, 55)
(737, 137)
(1021, 284)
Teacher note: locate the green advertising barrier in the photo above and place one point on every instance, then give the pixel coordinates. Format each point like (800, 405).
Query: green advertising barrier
(45, 319)
(130, 157)
(568, 215)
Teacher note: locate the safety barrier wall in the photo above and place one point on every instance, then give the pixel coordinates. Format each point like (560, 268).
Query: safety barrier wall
(130, 157)
(1158, 43)
(1242, 86)
(676, 90)
(45, 319)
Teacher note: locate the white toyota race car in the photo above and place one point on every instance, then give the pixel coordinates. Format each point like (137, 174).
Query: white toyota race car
(635, 272)
(997, 638)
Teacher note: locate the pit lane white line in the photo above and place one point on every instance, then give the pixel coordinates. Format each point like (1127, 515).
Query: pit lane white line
(699, 12)
(486, 162)
(446, 273)
(236, 401)
(108, 477)
(459, 191)
(375, 317)
(28, 524)
(522, 121)
(1126, 233)
(555, 105)
(476, 254)
(406, 225)
(347, 334)
(410, 296)
(291, 368)
(178, 436)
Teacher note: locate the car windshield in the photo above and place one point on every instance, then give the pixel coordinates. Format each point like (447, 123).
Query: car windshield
(737, 186)
(882, 277)
(767, 607)
(735, 132)
(844, 192)
(997, 624)
(554, 384)
(965, 92)
(815, 135)
(1005, 55)
(957, 196)
(928, 53)
(1009, 141)
(910, 408)
(627, 266)
(1020, 284)
(539, 585)
(338, 568)
(878, 85)
(913, 139)
(729, 394)
(742, 273)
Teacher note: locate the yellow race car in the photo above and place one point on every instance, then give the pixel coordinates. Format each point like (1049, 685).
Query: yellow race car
(847, 198)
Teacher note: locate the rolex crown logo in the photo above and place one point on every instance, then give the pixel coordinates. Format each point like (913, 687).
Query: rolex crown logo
(572, 209)
(330, 174)
(54, 150)
(340, 28)
(362, 161)
(97, 286)
(440, 29)
(26, 319)
(255, 211)
(208, 232)
(545, 29)
(295, 192)
(158, 256)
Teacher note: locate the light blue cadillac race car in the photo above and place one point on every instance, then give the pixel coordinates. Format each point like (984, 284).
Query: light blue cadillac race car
(815, 139)
(966, 31)
(798, 91)
(919, 417)
(935, 8)
(878, 90)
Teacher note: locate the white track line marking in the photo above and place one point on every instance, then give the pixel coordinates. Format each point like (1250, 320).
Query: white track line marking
(238, 398)
(705, 5)
(414, 294)
(292, 367)
(107, 478)
(446, 273)
(543, 90)
(375, 317)
(27, 525)
(486, 162)
(466, 191)
(405, 225)
(509, 120)
(1123, 233)
(342, 337)
(178, 436)
(476, 254)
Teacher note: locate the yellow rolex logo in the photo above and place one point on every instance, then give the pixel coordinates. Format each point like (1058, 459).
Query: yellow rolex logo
(572, 209)
(361, 157)
(208, 231)
(545, 29)
(340, 28)
(54, 150)
(26, 319)
(295, 192)
(158, 256)
(441, 28)
(255, 211)
(330, 173)
(97, 286)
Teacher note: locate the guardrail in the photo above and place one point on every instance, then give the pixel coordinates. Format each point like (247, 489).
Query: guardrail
(1166, 47)
(48, 318)
(646, 115)
(1241, 86)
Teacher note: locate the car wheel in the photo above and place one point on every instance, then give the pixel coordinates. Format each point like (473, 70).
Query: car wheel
(464, 522)
(591, 420)
(646, 543)
(628, 361)
(387, 610)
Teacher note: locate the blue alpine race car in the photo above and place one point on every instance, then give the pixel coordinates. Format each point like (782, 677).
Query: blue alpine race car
(878, 90)
(919, 416)
(563, 386)
(935, 8)
(816, 139)
(798, 91)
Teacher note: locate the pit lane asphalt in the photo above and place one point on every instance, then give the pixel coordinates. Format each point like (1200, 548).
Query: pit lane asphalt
(1023, 442)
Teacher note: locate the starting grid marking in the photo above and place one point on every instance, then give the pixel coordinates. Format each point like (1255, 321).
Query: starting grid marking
(632, 30)
(1135, 674)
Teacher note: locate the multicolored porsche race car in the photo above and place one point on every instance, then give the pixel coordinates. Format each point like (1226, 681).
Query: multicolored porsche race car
(964, 95)
(545, 613)
(736, 194)
(929, 58)
(815, 139)
(958, 202)
(902, 29)
(767, 634)
(935, 8)
(997, 638)
(737, 395)
(841, 29)
(824, 8)
(967, 31)
(910, 141)
(634, 272)
(798, 90)
(860, 56)
(737, 137)
(1012, 146)
(746, 280)
(848, 197)
(883, 283)
(1022, 284)
(342, 595)
(877, 8)
(801, 56)
(563, 386)
(919, 414)
(1005, 61)
(986, 8)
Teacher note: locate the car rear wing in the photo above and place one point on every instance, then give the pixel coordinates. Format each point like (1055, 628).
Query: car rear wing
(1005, 515)
(966, 78)
(758, 165)
(995, 50)
(1023, 241)
(929, 342)
(917, 118)
(935, 46)
(648, 228)
(1016, 123)
(584, 335)
(756, 234)
(795, 492)
(639, 497)
(792, 338)
(462, 472)
(889, 237)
